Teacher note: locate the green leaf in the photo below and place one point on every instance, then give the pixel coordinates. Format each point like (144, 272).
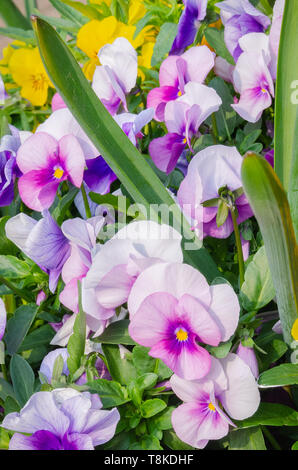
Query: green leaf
(39, 337)
(120, 365)
(286, 109)
(6, 246)
(18, 327)
(270, 206)
(86, 10)
(69, 12)
(151, 407)
(115, 333)
(13, 268)
(109, 199)
(215, 39)
(23, 379)
(120, 154)
(271, 414)
(163, 42)
(162, 420)
(111, 393)
(285, 374)
(145, 363)
(172, 441)
(12, 15)
(137, 386)
(19, 34)
(6, 389)
(222, 213)
(257, 289)
(247, 439)
(295, 446)
(273, 345)
(11, 405)
(221, 350)
(76, 343)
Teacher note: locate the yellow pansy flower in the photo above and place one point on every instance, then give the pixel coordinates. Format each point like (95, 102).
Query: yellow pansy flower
(98, 2)
(145, 57)
(7, 53)
(28, 72)
(295, 330)
(95, 34)
(136, 11)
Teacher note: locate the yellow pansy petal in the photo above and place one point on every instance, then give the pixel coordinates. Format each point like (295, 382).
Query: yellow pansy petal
(37, 94)
(295, 330)
(95, 34)
(89, 67)
(25, 64)
(136, 11)
(98, 2)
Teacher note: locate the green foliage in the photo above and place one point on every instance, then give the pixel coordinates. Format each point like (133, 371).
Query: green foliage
(247, 439)
(18, 327)
(285, 374)
(76, 343)
(23, 379)
(163, 42)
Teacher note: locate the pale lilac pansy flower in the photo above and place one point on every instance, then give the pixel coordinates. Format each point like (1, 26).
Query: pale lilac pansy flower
(45, 163)
(223, 69)
(253, 81)
(183, 117)
(274, 35)
(63, 419)
(82, 236)
(117, 74)
(248, 355)
(210, 171)
(132, 124)
(120, 260)
(228, 391)
(42, 241)
(189, 23)
(2, 318)
(175, 72)
(239, 18)
(172, 309)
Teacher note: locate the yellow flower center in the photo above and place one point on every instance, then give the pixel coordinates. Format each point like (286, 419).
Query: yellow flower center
(179, 93)
(181, 335)
(263, 90)
(211, 407)
(39, 81)
(184, 141)
(58, 173)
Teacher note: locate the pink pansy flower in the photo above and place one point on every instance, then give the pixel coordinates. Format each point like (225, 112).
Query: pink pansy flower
(45, 163)
(116, 75)
(119, 261)
(229, 390)
(252, 79)
(175, 72)
(183, 118)
(172, 308)
(209, 171)
(274, 36)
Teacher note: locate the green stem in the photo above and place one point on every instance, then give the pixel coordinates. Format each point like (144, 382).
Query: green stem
(16, 291)
(239, 246)
(4, 372)
(156, 366)
(271, 438)
(86, 203)
(214, 128)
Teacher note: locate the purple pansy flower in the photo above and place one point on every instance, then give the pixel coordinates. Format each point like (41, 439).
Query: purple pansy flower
(209, 171)
(175, 72)
(228, 389)
(45, 163)
(183, 118)
(63, 419)
(172, 309)
(239, 18)
(42, 241)
(8, 166)
(189, 23)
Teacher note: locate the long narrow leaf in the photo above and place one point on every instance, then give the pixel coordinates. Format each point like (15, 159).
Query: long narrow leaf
(121, 155)
(286, 109)
(12, 15)
(270, 206)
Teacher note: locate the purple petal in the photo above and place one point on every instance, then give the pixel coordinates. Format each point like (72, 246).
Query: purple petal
(99, 176)
(2, 318)
(165, 151)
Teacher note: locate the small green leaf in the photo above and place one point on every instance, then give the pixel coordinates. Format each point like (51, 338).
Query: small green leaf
(221, 350)
(257, 289)
(13, 268)
(152, 407)
(39, 337)
(162, 420)
(295, 446)
(222, 213)
(285, 374)
(120, 365)
(18, 327)
(216, 40)
(172, 441)
(115, 333)
(76, 343)
(23, 379)
(6, 389)
(271, 414)
(111, 393)
(247, 439)
(163, 42)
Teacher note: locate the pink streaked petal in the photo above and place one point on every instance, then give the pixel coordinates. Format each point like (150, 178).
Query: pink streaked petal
(200, 61)
(150, 323)
(252, 103)
(200, 320)
(37, 152)
(225, 309)
(192, 363)
(186, 420)
(168, 74)
(37, 190)
(73, 267)
(175, 120)
(69, 296)
(191, 390)
(71, 154)
(114, 288)
(242, 398)
(160, 95)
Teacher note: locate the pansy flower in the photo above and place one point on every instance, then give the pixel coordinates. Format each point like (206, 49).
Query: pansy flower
(45, 163)
(175, 312)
